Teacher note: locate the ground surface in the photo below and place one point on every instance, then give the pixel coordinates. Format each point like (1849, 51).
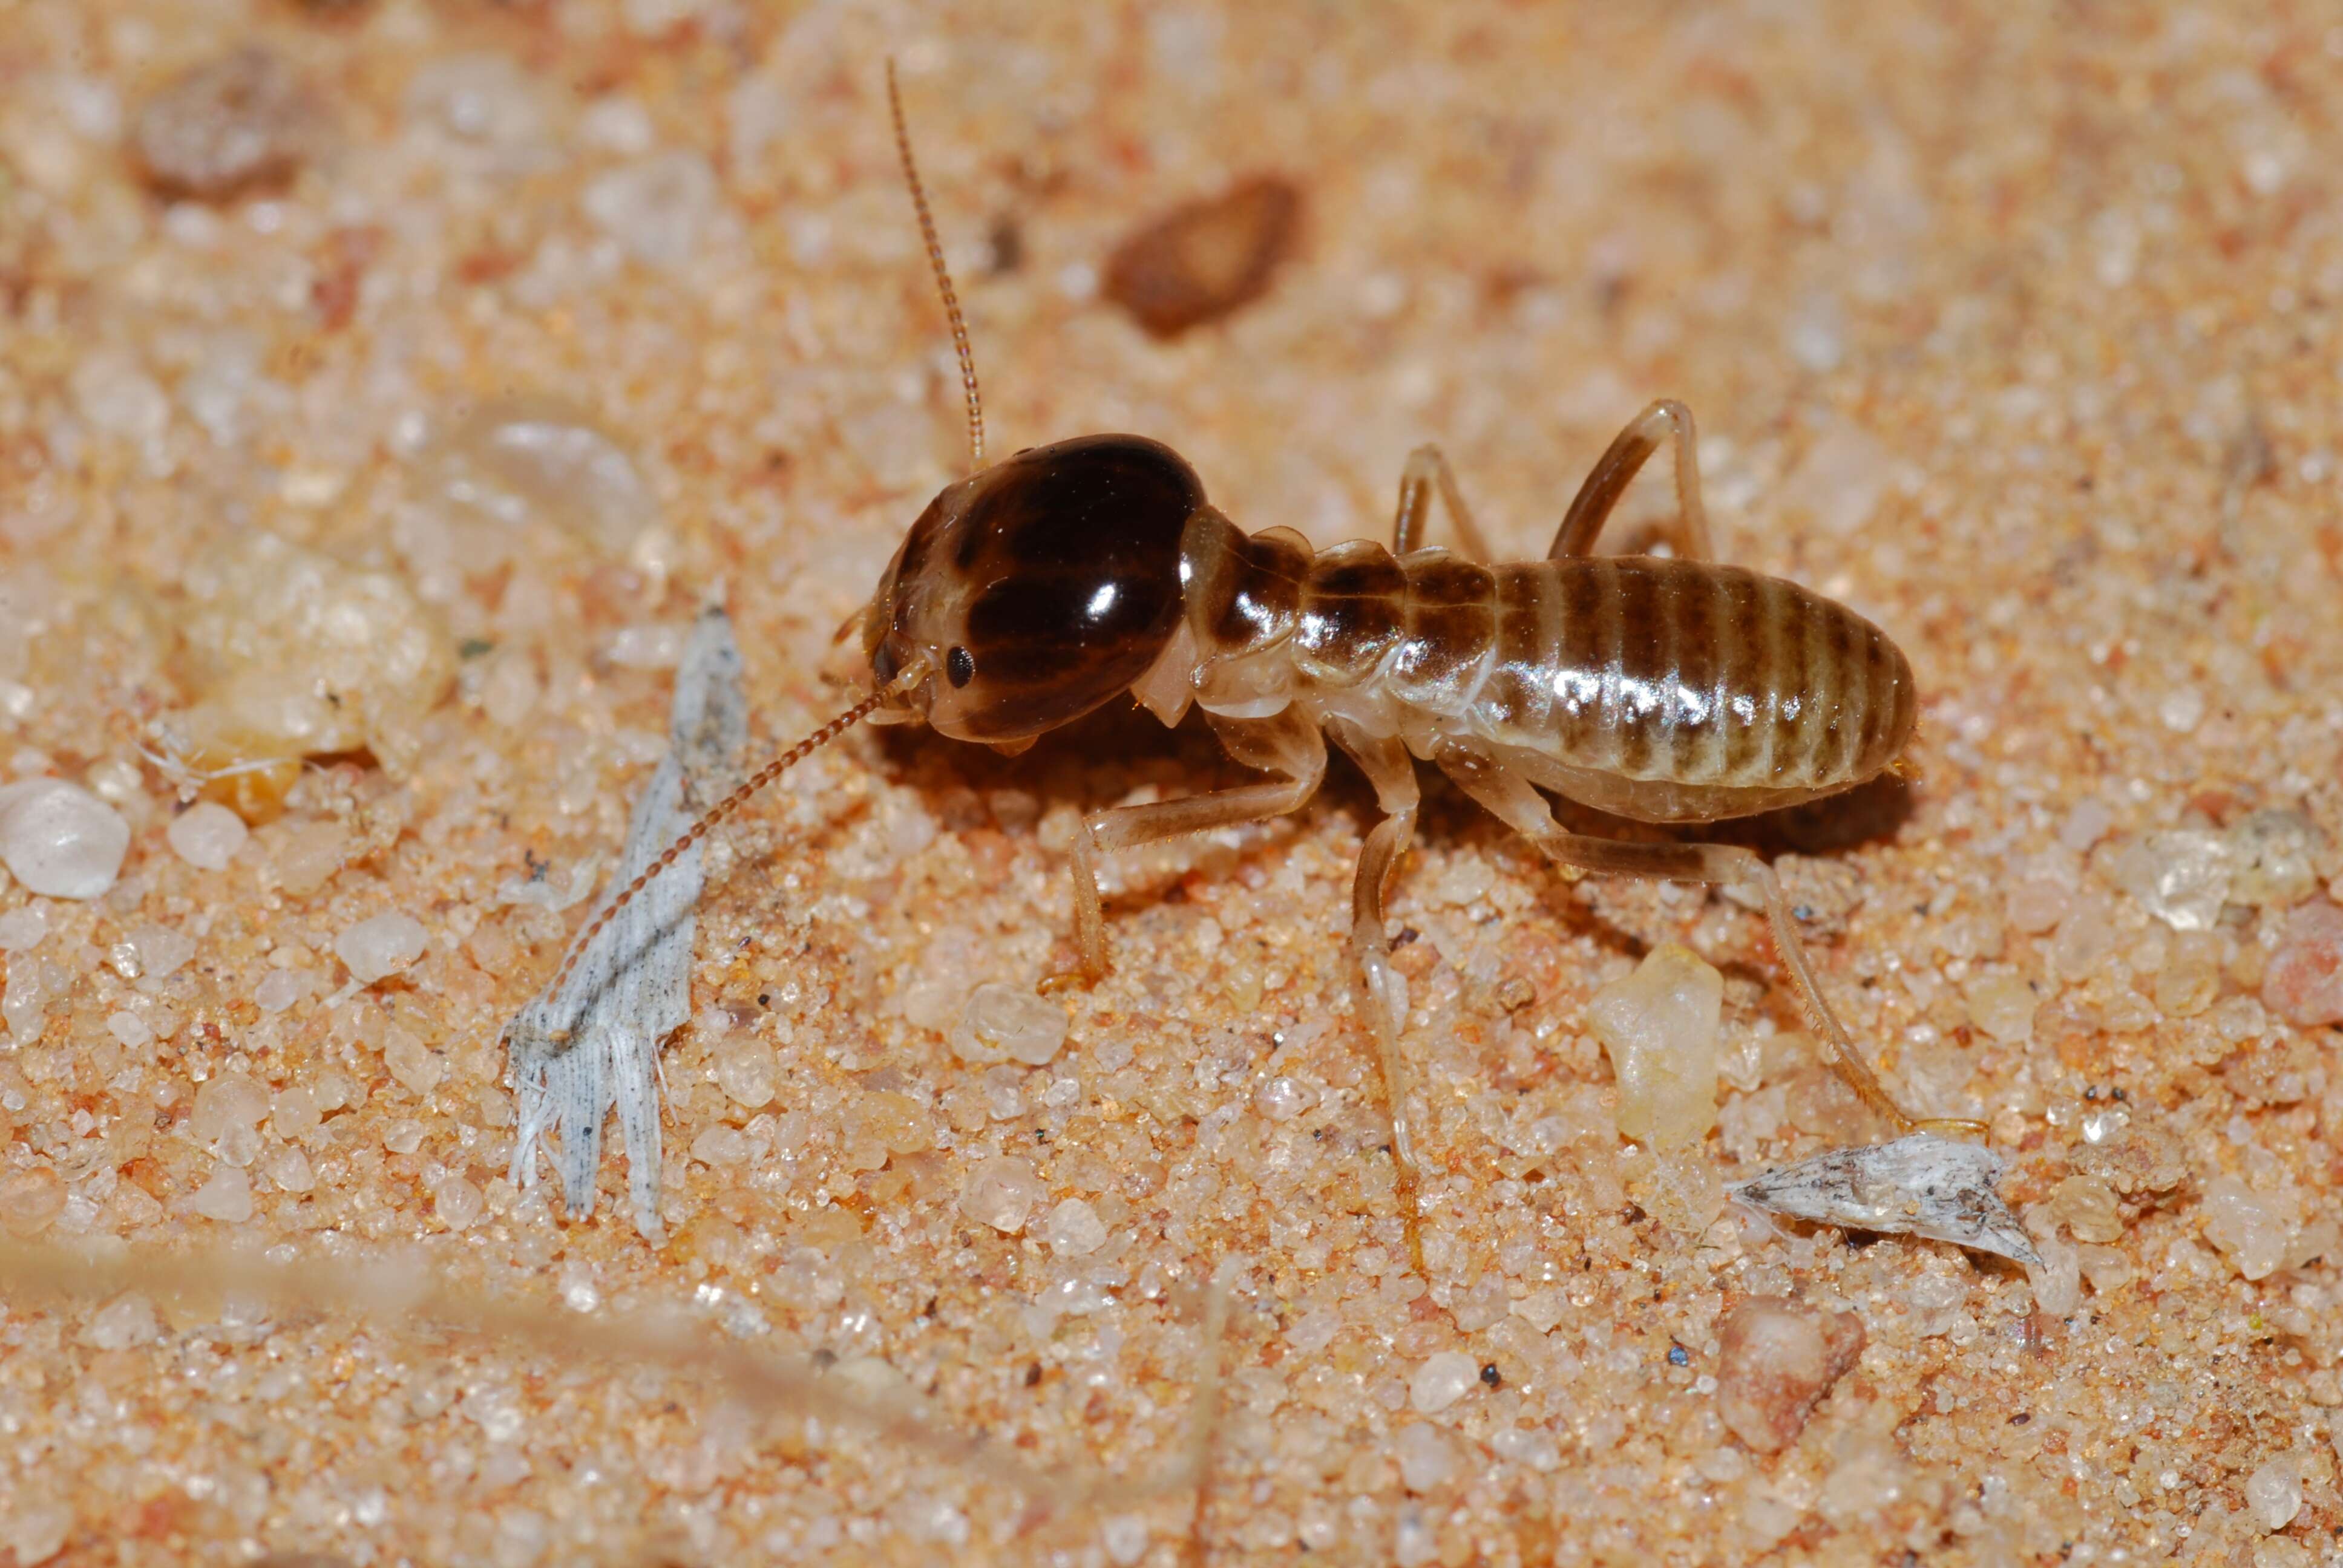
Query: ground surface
(2018, 332)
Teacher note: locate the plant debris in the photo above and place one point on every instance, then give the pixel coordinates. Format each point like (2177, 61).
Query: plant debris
(1923, 1185)
(594, 1045)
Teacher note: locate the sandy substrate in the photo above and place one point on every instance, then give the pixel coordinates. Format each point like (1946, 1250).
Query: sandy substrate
(2018, 333)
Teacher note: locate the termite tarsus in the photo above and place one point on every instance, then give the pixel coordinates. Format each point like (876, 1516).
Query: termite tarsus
(1663, 689)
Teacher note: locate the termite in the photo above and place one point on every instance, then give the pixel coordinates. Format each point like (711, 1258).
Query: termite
(1666, 689)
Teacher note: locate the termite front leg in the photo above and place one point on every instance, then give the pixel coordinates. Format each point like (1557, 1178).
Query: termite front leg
(1383, 990)
(1617, 468)
(1284, 743)
(1514, 802)
(1427, 472)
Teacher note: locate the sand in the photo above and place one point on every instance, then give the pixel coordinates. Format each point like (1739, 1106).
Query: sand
(2016, 331)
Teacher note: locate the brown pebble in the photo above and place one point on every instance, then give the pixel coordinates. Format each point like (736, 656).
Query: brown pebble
(1776, 1361)
(2303, 984)
(242, 120)
(1205, 259)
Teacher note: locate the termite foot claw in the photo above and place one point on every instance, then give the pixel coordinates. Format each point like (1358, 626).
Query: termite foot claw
(1951, 1126)
(1060, 980)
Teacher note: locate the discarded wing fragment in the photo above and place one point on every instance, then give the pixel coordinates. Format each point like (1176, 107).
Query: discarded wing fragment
(594, 1044)
(1205, 259)
(1918, 1186)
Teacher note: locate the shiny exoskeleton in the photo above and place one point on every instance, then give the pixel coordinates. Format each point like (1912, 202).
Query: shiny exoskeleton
(1667, 690)
(1664, 688)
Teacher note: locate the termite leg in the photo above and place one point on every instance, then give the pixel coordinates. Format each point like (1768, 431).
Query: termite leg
(1617, 468)
(1514, 802)
(1383, 990)
(1285, 743)
(1426, 472)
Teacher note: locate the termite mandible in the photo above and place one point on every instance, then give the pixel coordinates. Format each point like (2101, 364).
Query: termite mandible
(1671, 689)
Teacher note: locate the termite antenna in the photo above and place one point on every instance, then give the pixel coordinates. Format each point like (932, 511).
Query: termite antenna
(912, 676)
(943, 275)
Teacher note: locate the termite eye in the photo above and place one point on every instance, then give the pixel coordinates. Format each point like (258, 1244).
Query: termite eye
(959, 667)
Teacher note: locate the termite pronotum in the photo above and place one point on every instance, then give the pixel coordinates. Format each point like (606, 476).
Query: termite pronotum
(1663, 689)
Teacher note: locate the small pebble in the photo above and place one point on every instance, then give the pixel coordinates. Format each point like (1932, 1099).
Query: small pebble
(36, 1530)
(2251, 1229)
(2274, 1492)
(486, 106)
(22, 929)
(161, 952)
(226, 1105)
(2182, 878)
(719, 1146)
(657, 207)
(2083, 939)
(1540, 1308)
(122, 1324)
(1532, 1447)
(2274, 857)
(240, 121)
(2002, 1007)
(1124, 1536)
(293, 1113)
(1074, 1229)
(457, 1203)
(1775, 1360)
(378, 948)
(1002, 1192)
(30, 1201)
(933, 1003)
(226, 1197)
(746, 1069)
(1442, 1381)
(280, 988)
(416, 1066)
(2086, 824)
(294, 653)
(524, 459)
(2137, 1161)
(1659, 1026)
(1003, 1021)
(290, 1169)
(307, 858)
(1481, 1305)
(2086, 1207)
(59, 840)
(2037, 903)
(206, 836)
(2303, 982)
(1206, 259)
(1426, 1458)
(1284, 1099)
(2057, 1280)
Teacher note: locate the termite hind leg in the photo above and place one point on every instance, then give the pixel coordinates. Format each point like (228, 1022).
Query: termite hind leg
(1617, 468)
(1514, 802)
(1427, 473)
(1383, 990)
(1284, 743)
(1727, 863)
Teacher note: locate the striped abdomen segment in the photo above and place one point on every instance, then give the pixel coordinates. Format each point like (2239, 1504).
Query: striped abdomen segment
(1641, 668)
(1693, 673)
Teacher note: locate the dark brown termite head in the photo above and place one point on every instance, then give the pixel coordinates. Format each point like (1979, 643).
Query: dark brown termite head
(1037, 588)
